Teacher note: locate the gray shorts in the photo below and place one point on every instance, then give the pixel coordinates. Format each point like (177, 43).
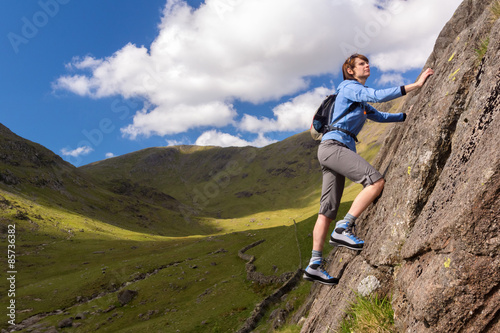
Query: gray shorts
(338, 162)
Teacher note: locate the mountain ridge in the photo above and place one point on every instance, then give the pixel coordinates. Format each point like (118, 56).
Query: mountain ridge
(201, 174)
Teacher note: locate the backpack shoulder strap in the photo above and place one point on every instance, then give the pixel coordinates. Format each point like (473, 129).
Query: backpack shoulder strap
(330, 127)
(351, 108)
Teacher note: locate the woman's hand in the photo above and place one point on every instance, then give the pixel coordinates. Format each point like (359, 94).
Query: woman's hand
(420, 81)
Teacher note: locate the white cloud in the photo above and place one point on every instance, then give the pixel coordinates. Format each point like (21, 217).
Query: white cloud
(216, 138)
(255, 51)
(176, 142)
(402, 60)
(294, 115)
(175, 120)
(407, 34)
(84, 150)
(109, 155)
(79, 84)
(392, 79)
(87, 62)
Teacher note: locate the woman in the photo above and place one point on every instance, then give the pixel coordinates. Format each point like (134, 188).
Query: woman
(338, 159)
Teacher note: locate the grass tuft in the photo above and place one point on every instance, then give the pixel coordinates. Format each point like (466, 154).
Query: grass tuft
(369, 315)
(481, 50)
(495, 11)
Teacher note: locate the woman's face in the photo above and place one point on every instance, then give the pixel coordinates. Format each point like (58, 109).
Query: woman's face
(361, 69)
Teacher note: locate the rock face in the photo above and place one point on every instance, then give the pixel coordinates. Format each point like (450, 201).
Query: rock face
(433, 240)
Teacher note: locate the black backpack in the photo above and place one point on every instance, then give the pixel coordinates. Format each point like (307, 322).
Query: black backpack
(322, 118)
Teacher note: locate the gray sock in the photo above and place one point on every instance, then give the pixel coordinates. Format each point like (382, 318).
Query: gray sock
(350, 218)
(315, 256)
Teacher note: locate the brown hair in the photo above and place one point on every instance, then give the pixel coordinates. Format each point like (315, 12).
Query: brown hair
(349, 63)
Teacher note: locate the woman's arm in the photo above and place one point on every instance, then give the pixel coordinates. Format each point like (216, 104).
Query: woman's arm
(383, 117)
(358, 93)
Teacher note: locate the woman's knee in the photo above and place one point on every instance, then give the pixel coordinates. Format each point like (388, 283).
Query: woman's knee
(379, 184)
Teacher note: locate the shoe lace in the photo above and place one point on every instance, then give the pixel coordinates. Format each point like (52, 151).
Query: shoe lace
(322, 267)
(351, 230)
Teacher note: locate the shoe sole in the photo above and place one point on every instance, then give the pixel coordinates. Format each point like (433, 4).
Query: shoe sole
(334, 243)
(308, 278)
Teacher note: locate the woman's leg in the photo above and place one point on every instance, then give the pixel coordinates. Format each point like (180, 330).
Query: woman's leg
(349, 164)
(333, 186)
(366, 197)
(320, 231)
(315, 271)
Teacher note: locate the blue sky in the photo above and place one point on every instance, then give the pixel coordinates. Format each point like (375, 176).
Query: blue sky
(94, 79)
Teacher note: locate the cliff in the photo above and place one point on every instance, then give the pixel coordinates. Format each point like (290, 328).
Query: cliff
(432, 240)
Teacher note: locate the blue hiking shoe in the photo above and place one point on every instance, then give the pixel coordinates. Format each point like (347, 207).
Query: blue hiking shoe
(316, 272)
(343, 235)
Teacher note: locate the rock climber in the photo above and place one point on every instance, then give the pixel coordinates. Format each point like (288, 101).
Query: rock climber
(338, 159)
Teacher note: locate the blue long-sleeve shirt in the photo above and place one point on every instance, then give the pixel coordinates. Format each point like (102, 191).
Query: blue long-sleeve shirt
(350, 91)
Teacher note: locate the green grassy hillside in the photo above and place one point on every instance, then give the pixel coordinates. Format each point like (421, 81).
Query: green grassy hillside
(31, 170)
(69, 265)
